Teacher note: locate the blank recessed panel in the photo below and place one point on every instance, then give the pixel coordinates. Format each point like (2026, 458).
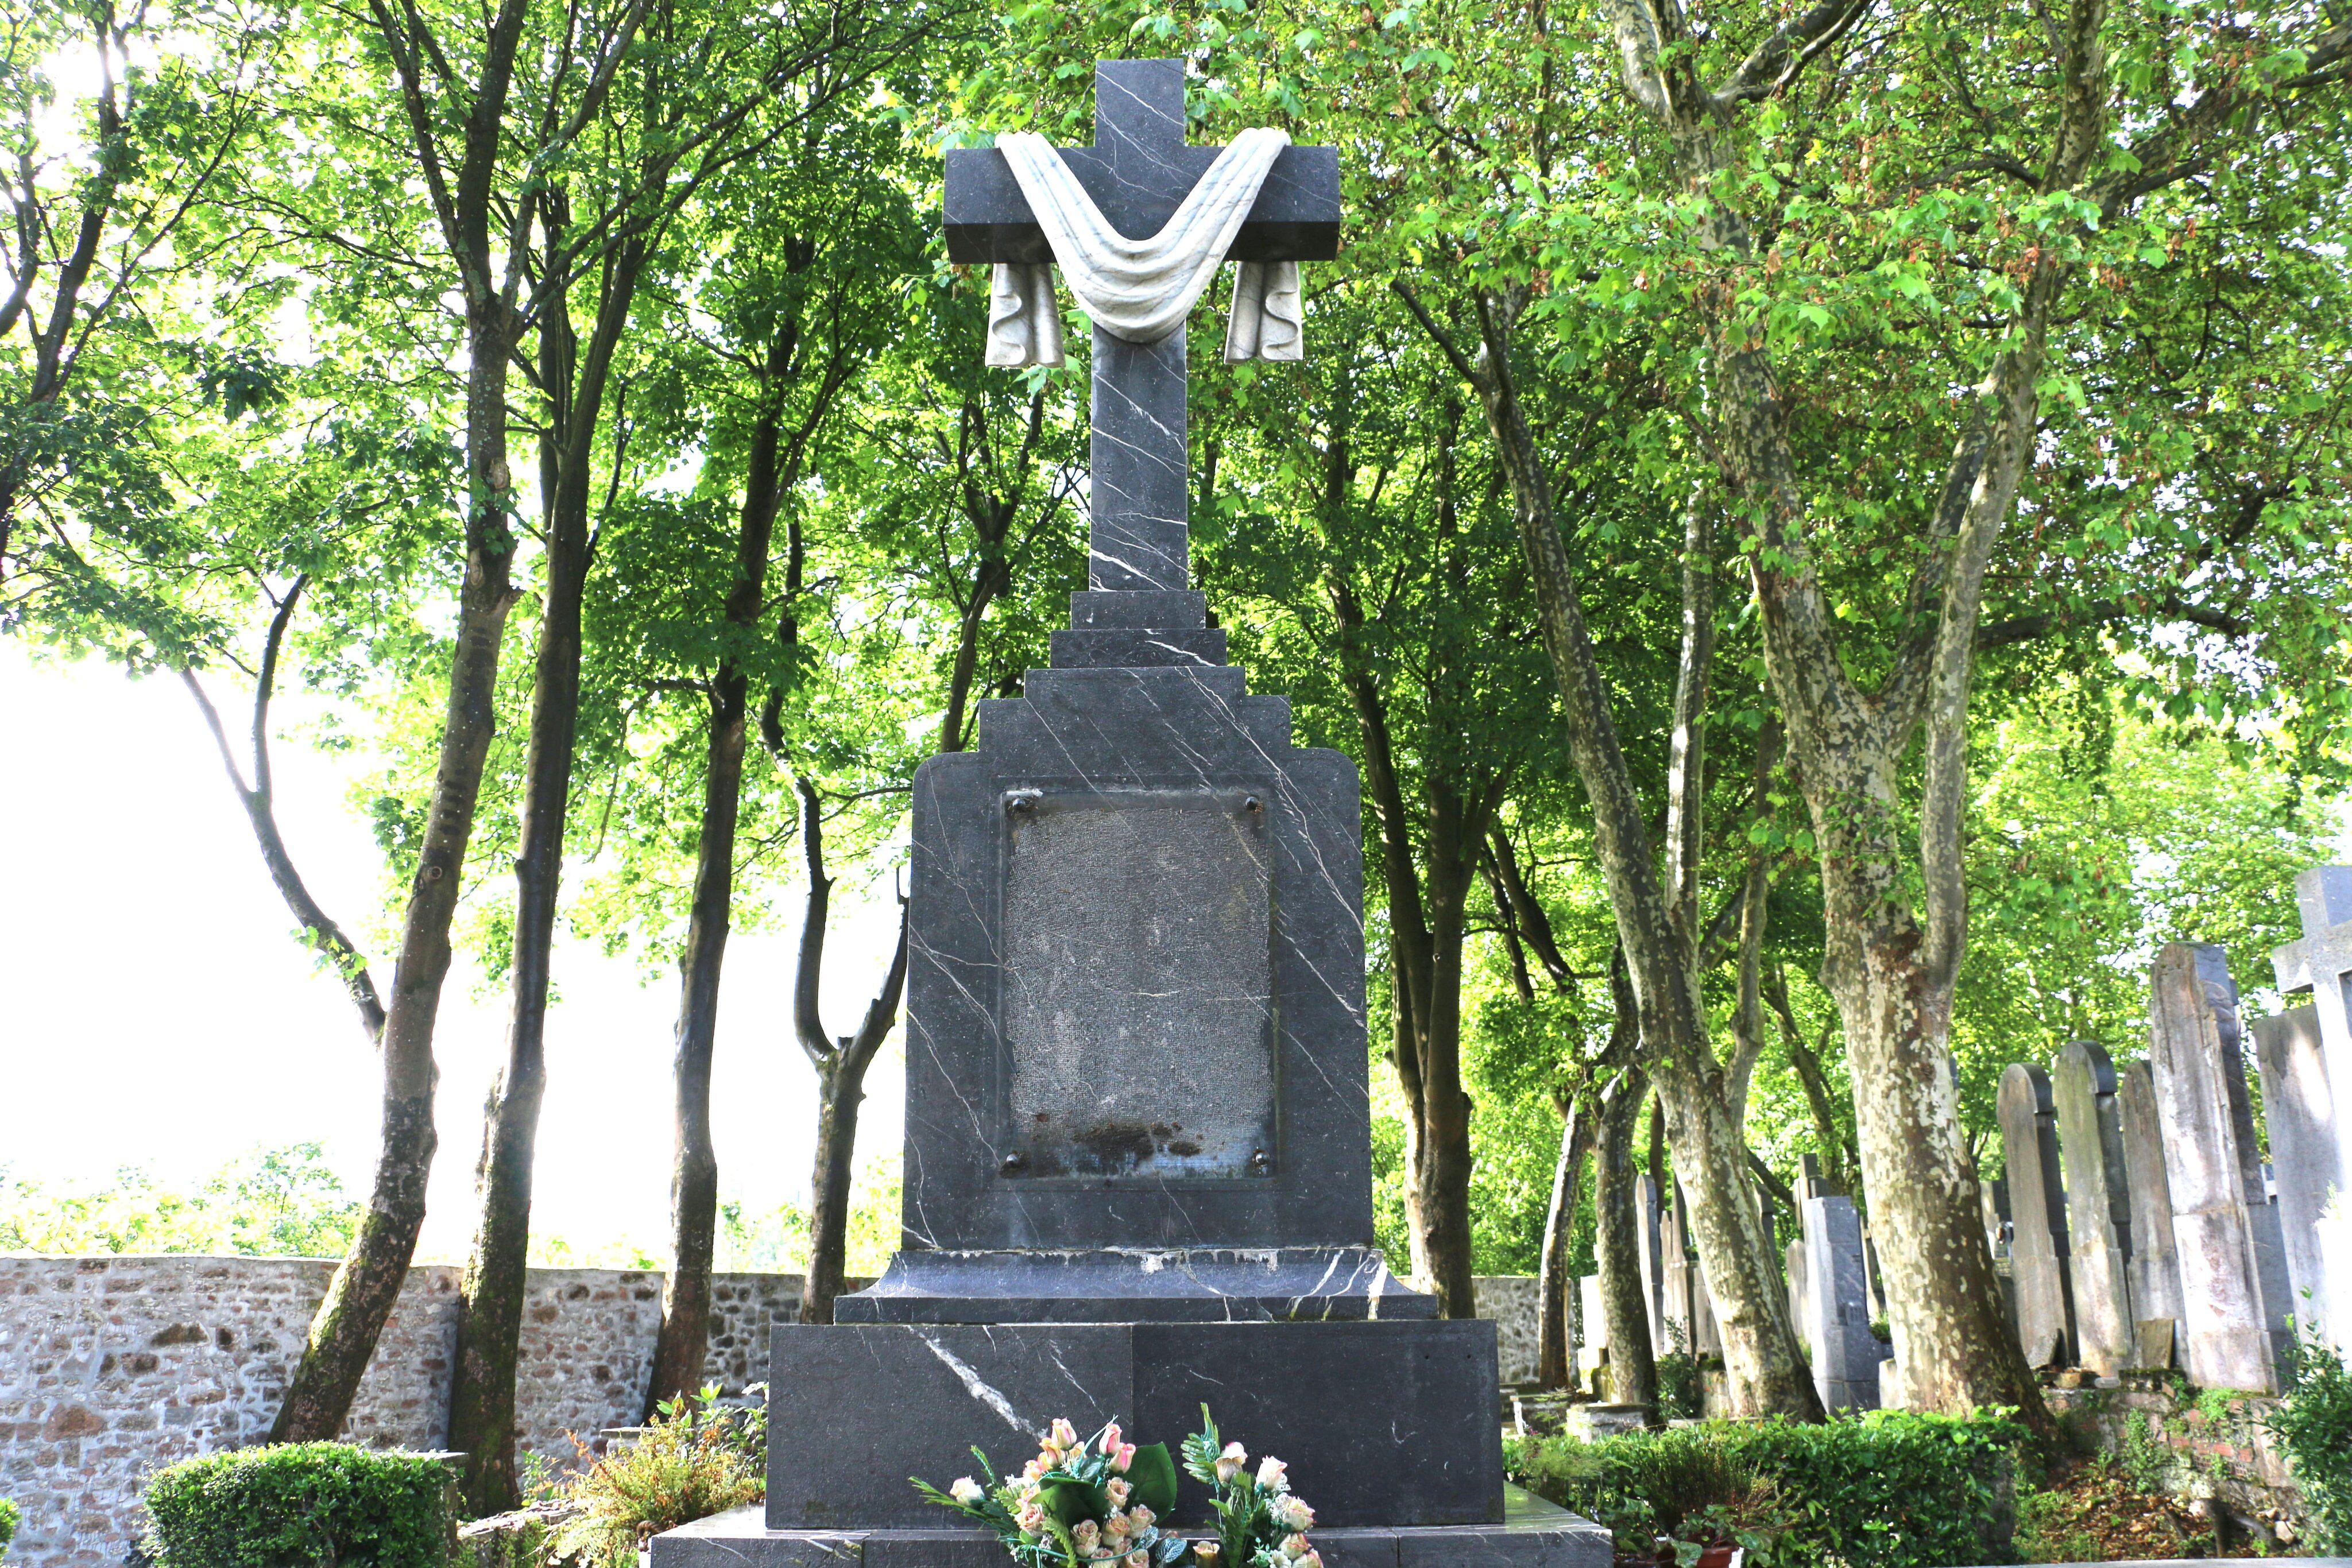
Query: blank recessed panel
(1137, 995)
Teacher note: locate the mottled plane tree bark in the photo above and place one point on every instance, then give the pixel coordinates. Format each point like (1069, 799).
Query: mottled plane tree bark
(1892, 959)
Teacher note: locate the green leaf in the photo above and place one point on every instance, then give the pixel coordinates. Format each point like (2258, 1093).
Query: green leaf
(1153, 1477)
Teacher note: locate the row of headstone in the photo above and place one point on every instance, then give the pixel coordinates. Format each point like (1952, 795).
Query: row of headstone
(2138, 1225)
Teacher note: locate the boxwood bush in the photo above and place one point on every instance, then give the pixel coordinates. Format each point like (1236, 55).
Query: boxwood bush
(1886, 1491)
(300, 1505)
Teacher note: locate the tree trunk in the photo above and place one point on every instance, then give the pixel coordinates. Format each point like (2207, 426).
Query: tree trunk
(1633, 1359)
(684, 1340)
(840, 1071)
(1555, 1289)
(1764, 1371)
(490, 1298)
(344, 1334)
(829, 1179)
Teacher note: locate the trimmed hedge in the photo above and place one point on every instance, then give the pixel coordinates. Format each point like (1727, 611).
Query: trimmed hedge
(300, 1505)
(1887, 1490)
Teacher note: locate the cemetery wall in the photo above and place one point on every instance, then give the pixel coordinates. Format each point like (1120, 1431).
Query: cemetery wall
(111, 1367)
(2216, 1449)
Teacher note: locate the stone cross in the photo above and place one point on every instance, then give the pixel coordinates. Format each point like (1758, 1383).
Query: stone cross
(2321, 965)
(2099, 1206)
(2039, 1253)
(2233, 1283)
(1138, 171)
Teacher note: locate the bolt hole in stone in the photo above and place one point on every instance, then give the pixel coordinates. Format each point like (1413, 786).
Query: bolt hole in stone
(1137, 1003)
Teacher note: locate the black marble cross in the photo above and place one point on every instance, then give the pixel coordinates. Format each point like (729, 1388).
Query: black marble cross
(1139, 169)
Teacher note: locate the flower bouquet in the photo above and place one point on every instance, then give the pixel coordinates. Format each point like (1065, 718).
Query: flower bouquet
(1095, 1500)
(1100, 1500)
(1261, 1522)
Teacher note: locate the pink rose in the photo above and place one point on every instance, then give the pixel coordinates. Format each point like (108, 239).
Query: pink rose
(1294, 1547)
(1121, 1461)
(1271, 1473)
(1064, 1437)
(1138, 1560)
(1118, 1490)
(1141, 1517)
(1110, 1438)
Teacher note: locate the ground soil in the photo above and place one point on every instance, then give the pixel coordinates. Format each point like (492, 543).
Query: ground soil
(2091, 1511)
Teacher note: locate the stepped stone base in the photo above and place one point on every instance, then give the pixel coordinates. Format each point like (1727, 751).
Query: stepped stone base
(1533, 1534)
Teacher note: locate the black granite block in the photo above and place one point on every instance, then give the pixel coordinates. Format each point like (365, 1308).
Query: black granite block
(1394, 1423)
(1167, 610)
(1136, 465)
(1202, 1285)
(1124, 648)
(854, 1412)
(1533, 1535)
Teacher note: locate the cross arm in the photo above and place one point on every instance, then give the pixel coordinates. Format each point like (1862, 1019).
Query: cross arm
(1294, 218)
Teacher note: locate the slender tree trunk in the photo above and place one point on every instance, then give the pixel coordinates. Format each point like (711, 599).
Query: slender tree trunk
(682, 1343)
(1554, 1287)
(344, 1334)
(1441, 1164)
(490, 1298)
(840, 1069)
(830, 1176)
(1633, 1359)
(1764, 1371)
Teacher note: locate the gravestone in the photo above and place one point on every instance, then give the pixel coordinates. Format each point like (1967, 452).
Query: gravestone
(1137, 1150)
(1592, 1354)
(2234, 1301)
(2098, 1208)
(2155, 1268)
(2320, 965)
(1801, 1285)
(1649, 1246)
(2038, 1252)
(2299, 1113)
(1844, 1353)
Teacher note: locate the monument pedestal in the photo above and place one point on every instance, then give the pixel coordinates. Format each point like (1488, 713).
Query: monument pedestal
(1532, 1533)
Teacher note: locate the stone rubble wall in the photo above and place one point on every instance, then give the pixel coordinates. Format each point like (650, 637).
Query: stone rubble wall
(2217, 1448)
(113, 1367)
(1511, 1301)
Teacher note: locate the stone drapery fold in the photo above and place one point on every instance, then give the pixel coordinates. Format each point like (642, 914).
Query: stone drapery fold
(1141, 291)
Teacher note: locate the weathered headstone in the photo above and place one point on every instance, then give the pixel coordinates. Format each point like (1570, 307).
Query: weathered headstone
(1649, 1246)
(2321, 966)
(1992, 1201)
(2039, 1251)
(2099, 1206)
(1801, 1284)
(1675, 1275)
(2300, 1115)
(1845, 1354)
(2154, 1267)
(2233, 1282)
(1137, 1147)
(1593, 1354)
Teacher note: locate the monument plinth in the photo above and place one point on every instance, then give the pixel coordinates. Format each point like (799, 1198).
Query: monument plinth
(1138, 1168)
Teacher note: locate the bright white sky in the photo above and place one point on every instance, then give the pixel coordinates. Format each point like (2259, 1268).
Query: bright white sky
(155, 1010)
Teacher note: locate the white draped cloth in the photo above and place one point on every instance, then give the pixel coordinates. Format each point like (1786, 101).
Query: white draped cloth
(1141, 291)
